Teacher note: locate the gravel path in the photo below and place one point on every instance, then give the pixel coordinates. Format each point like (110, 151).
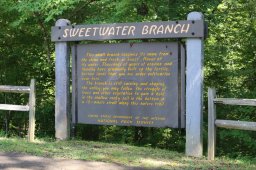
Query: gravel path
(17, 161)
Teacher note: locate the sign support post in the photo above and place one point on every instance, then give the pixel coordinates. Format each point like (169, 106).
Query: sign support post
(62, 88)
(194, 92)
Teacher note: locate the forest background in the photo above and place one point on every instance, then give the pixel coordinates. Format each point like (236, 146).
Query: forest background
(27, 52)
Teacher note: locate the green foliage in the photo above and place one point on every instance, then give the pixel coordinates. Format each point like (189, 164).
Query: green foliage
(230, 60)
(230, 68)
(2, 133)
(236, 144)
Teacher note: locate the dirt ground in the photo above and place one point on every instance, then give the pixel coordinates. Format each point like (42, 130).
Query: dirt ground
(17, 161)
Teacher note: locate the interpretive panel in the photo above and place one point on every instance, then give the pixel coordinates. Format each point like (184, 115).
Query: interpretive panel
(129, 84)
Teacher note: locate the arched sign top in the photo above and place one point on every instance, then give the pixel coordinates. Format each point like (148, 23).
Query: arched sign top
(141, 30)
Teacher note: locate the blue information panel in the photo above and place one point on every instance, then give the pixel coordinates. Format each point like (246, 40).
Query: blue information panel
(129, 84)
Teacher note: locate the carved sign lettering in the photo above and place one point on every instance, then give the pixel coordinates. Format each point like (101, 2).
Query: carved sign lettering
(167, 29)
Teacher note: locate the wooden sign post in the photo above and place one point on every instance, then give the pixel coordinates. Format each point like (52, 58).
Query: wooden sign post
(62, 89)
(194, 93)
(137, 84)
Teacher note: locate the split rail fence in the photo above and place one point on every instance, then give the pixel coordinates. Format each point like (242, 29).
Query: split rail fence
(213, 123)
(30, 107)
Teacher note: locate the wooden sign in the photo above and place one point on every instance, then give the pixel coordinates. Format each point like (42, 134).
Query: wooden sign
(129, 84)
(84, 69)
(143, 30)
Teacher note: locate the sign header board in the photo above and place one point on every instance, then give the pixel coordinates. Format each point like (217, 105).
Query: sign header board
(142, 30)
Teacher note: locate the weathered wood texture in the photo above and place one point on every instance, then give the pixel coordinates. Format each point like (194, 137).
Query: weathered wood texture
(231, 124)
(30, 108)
(15, 89)
(62, 88)
(14, 107)
(138, 30)
(194, 91)
(211, 123)
(32, 103)
(231, 101)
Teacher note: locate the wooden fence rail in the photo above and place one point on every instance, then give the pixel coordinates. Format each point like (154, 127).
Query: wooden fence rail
(31, 107)
(15, 89)
(230, 124)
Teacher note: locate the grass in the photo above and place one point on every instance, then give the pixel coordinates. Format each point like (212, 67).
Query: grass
(119, 153)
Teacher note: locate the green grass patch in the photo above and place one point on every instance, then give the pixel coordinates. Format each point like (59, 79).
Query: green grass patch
(119, 153)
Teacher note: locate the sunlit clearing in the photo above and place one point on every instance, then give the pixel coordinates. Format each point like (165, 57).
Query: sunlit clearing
(159, 163)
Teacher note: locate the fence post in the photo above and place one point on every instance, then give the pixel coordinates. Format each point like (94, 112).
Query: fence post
(32, 103)
(211, 123)
(194, 92)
